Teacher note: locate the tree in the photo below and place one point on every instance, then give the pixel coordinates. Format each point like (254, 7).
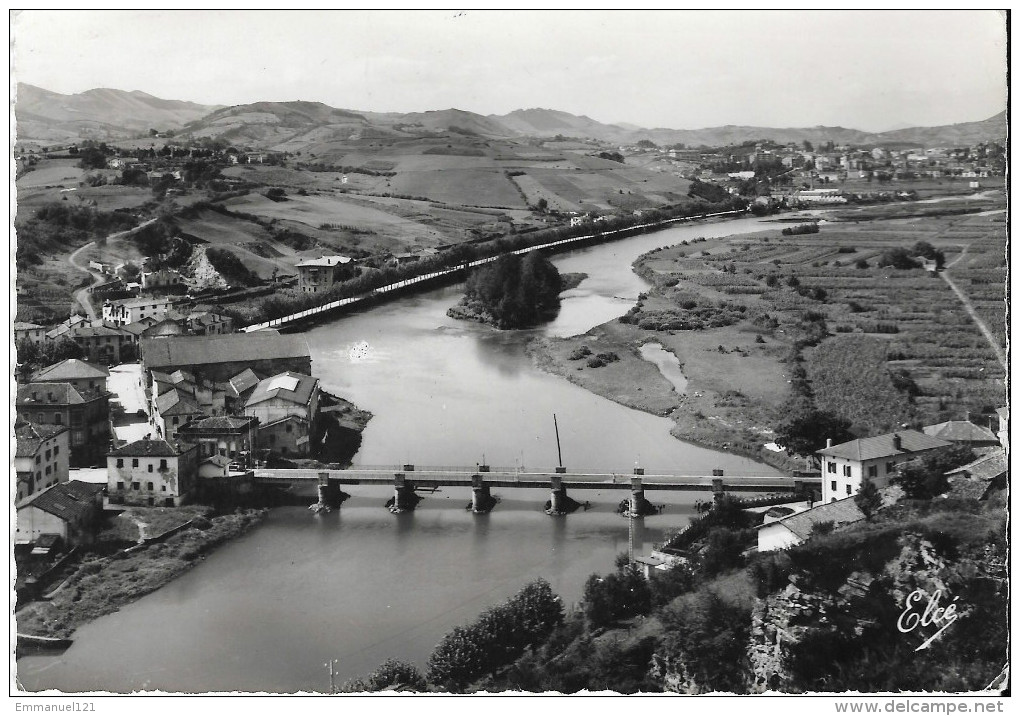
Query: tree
(923, 248)
(391, 673)
(868, 499)
(805, 432)
(542, 204)
(898, 258)
(808, 146)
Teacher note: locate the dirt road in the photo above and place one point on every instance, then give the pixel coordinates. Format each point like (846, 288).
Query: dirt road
(82, 296)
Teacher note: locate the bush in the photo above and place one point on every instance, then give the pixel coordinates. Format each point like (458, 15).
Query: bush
(579, 353)
(801, 229)
(390, 674)
(497, 637)
(617, 596)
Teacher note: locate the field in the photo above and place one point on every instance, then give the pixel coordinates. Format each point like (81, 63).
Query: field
(878, 346)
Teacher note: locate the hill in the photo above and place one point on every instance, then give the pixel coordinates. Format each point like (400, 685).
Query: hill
(98, 113)
(551, 122)
(965, 133)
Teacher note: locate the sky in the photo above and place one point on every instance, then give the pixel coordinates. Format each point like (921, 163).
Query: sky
(870, 70)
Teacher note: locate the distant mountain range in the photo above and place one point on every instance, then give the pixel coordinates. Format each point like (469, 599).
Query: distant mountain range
(115, 114)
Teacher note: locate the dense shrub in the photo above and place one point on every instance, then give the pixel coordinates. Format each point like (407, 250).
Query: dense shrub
(616, 596)
(801, 229)
(230, 267)
(497, 637)
(517, 292)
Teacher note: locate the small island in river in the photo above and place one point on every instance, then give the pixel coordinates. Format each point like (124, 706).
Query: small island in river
(514, 292)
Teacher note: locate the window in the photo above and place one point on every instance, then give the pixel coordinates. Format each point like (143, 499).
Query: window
(135, 485)
(150, 467)
(58, 419)
(890, 466)
(846, 471)
(833, 485)
(848, 490)
(120, 462)
(38, 459)
(48, 454)
(162, 488)
(290, 428)
(148, 486)
(120, 485)
(872, 470)
(56, 450)
(48, 470)
(134, 462)
(162, 464)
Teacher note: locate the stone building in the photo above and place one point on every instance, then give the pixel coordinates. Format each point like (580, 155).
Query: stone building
(152, 472)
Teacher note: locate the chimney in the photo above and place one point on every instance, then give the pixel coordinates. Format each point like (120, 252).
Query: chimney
(897, 442)
(828, 442)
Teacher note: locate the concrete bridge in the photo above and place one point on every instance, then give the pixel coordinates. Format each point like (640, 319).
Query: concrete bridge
(405, 479)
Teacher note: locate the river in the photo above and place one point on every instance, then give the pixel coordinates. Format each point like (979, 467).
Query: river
(266, 612)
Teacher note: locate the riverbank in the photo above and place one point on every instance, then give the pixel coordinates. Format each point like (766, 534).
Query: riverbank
(732, 397)
(104, 585)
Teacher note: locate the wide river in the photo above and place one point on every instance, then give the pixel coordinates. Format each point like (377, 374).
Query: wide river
(268, 611)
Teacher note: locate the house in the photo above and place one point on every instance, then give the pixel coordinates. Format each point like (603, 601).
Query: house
(69, 510)
(231, 437)
(151, 472)
(1003, 431)
(289, 435)
(319, 275)
(239, 389)
(162, 278)
(218, 358)
(979, 479)
(62, 330)
(165, 327)
(793, 529)
(86, 414)
(83, 376)
(104, 344)
(962, 432)
(129, 310)
(208, 323)
(41, 457)
(284, 394)
(286, 406)
(171, 410)
(30, 332)
(844, 466)
(122, 162)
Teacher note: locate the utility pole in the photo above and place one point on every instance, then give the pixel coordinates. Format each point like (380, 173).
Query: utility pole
(332, 675)
(559, 452)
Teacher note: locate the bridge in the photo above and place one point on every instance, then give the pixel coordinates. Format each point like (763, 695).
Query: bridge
(436, 277)
(405, 479)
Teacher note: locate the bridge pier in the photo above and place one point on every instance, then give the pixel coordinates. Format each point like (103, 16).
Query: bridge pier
(330, 494)
(559, 502)
(482, 500)
(404, 497)
(718, 489)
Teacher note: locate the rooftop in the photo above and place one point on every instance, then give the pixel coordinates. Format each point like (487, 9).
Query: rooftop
(220, 423)
(960, 431)
(176, 402)
(31, 435)
(49, 394)
(71, 369)
(174, 351)
(295, 387)
(841, 512)
(21, 326)
(245, 380)
(880, 446)
(148, 447)
(987, 467)
(132, 302)
(325, 261)
(67, 500)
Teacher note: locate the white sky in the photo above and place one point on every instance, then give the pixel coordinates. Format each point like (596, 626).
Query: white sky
(870, 70)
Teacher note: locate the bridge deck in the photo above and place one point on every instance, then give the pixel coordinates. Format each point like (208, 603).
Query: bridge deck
(462, 477)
